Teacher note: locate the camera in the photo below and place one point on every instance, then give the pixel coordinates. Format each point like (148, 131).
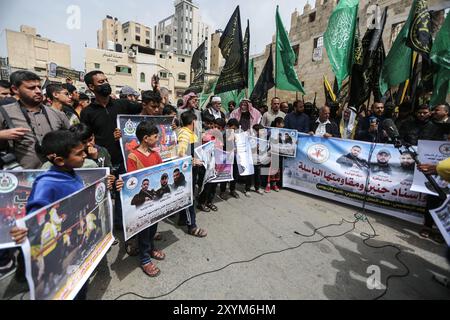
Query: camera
(8, 161)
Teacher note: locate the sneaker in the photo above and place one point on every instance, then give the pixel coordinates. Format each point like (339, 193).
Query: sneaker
(7, 270)
(234, 194)
(267, 189)
(276, 189)
(258, 191)
(223, 196)
(247, 194)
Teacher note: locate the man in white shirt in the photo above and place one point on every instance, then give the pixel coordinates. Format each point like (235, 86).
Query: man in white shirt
(273, 113)
(323, 126)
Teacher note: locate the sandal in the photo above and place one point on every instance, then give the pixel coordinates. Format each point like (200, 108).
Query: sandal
(131, 248)
(151, 270)
(212, 207)
(158, 237)
(158, 255)
(204, 208)
(425, 233)
(198, 232)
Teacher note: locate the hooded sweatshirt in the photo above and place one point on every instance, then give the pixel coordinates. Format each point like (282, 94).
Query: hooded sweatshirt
(52, 186)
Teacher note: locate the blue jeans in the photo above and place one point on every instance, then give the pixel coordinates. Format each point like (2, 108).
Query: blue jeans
(190, 215)
(146, 244)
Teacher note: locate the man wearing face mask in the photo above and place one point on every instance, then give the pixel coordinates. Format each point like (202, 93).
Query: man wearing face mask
(101, 117)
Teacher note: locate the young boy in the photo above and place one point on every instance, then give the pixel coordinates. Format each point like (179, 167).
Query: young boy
(186, 141)
(66, 152)
(140, 158)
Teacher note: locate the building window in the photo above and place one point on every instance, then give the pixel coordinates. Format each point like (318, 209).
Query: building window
(296, 49)
(138, 30)
(312, 17)
(318, 42)
(181, 77)
(123, 70)
(125, 30)
(181, 60)
(163, 75)
(147, 41)
(138, 38)
(97, 65)
(147, 34)
(142, 77)
(318, 49)
(162, 56)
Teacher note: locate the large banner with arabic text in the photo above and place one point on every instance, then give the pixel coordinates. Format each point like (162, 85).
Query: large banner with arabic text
(338, 170)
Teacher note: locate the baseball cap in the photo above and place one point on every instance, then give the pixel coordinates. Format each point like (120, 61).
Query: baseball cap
(128, 91)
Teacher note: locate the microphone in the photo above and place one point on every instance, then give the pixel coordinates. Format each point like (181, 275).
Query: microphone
(392, 132)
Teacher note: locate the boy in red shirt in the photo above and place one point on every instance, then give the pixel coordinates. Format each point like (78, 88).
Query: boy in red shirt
(140, 158)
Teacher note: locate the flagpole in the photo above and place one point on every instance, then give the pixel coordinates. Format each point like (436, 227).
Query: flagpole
(276, 52)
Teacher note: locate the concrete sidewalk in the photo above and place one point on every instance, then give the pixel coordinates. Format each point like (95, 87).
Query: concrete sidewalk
(243, 229)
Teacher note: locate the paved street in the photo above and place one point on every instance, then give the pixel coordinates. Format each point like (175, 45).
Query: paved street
(334, 268)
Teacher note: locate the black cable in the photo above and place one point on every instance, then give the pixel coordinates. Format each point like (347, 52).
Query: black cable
(253, 259)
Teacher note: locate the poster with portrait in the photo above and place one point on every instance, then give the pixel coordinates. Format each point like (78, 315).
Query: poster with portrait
(15, 188)
(66, 242)
(153, 194)
(283, 142)
(442, 218)
(167, 144)
(260, 150)
(224, 166)
(244, 156)
(206, 154)
(431, 152)
(338, 169)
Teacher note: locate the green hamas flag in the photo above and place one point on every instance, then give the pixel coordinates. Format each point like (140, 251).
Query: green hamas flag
(419, 36)
(231, 45)
(397, 66)
(251, 77)
(339, 38)
(286, 78)
(198, 67)
(440, 55)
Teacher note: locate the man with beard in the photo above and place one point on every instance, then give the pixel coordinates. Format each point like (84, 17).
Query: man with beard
(62, 101)
(352, 159)
(165, 188)
(143, 195)
(297, 120)
(382, 164)
(31, 120)
(179, 180)
(407, 162)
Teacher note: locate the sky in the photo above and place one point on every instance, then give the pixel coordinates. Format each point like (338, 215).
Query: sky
(50, 18)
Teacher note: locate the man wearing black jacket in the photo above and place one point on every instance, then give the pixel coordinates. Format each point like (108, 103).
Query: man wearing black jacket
(323, 126)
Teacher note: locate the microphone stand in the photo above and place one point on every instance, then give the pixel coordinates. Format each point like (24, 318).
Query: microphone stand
(398, 144)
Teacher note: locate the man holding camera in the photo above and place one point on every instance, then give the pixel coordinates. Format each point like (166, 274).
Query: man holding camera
(24, 124)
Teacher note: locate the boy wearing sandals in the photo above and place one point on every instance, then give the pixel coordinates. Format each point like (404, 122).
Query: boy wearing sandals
(140, 158)
(186, 141)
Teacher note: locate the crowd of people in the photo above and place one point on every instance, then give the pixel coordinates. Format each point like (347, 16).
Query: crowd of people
(62, 129)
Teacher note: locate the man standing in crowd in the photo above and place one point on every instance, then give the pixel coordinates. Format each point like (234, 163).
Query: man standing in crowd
(215, 109)
(246, 115)
(370, 128)
(83, 102)
(421, 128)
(5, 90)
(440, 113)
(284, 107)
(323, 126)
(273, 113)
(297, 120)
(101, 117)
(62, 101)
(31, 120)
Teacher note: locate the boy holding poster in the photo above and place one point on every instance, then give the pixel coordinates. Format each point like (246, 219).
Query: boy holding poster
(140, 158)
(66, 152)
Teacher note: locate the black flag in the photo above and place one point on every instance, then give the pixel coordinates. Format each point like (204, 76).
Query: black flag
(419, 37)
(231, 45)
(265, 82)
(246, 49)
(198, 68)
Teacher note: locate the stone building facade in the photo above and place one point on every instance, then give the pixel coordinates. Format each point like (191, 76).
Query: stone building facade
(306, 35)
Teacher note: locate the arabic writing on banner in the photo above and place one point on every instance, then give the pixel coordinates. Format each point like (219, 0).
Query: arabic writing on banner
(442, 218)
(430, 152)
(167, 144)
(66, 242)
(153, 194)
(337, 169)
(15, 188)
